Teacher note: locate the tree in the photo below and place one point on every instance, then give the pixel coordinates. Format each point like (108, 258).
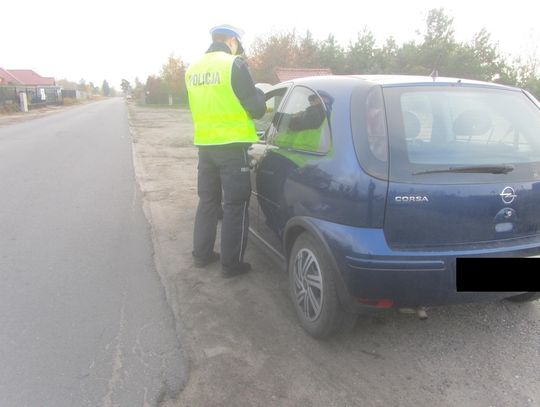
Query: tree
(478, 59)
(331, 55)
(439, 28)
(360, 54)
(386, 58)
(173, 77)
(278, 50)
(439, 43)
(93, 88)
(156, 92)
(138, 89)
(68, 85)
(409, 59)
(82, 86)
(436, 49)
(125, 86)
(307, 52)
(526, 74)
(105, 88)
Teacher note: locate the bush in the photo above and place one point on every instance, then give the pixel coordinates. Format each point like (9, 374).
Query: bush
(9, 108)
(70, 101)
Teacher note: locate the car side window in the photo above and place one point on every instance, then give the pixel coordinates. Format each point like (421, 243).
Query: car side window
(303, 122)
(273, 100)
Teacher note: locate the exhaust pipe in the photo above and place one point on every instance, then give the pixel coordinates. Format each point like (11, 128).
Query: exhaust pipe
(421, 312)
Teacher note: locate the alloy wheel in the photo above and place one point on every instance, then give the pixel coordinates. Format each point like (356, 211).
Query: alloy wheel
(308, 284)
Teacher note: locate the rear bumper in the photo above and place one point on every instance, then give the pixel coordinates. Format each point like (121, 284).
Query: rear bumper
(373, 274)
(418, 283)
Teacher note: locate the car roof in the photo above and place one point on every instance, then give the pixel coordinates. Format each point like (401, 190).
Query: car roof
(394, 80)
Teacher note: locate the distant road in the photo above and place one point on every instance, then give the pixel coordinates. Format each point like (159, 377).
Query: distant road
(83, 316)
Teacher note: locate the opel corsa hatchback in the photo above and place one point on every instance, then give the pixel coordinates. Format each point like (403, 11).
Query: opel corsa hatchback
(369, 187)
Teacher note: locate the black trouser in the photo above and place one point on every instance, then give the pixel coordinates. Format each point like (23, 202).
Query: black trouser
(222, 170)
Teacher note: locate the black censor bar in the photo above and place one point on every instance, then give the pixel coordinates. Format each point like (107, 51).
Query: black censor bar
(496, 274)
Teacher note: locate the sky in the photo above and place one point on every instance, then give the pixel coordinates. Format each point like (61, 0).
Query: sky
(110, 40)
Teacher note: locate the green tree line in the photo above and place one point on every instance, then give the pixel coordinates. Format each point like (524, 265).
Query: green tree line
(437, 52)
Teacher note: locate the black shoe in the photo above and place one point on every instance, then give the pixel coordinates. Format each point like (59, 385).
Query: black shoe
(203, 262)
(236, 270)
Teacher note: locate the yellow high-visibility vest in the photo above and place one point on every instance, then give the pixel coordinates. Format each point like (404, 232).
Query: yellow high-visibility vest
(218, 115)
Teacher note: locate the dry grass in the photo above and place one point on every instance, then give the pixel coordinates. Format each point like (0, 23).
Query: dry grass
(70, 101)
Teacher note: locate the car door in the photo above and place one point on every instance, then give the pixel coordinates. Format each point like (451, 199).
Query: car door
(266, 127)
(297, 138)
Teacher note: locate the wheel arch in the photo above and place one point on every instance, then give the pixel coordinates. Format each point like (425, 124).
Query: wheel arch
(298, 225)
(295, 227)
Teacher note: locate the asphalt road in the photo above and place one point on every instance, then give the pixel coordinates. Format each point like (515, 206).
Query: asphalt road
(83, 316)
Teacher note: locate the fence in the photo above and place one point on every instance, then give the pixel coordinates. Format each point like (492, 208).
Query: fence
(68, 93)
(76, 94)
(8, 95)
(36, 95)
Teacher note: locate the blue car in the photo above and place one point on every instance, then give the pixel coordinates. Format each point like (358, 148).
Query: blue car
(368, 188)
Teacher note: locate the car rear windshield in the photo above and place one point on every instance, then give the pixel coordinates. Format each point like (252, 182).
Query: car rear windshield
(459, 133)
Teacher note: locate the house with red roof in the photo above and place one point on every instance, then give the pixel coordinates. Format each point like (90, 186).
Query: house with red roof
(28, 77)
(40, 90)
(24, 77)
(7, 79)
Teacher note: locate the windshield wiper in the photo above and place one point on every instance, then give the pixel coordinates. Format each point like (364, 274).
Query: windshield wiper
(488, 169)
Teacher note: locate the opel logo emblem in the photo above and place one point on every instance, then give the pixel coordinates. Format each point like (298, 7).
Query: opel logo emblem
(508, 195)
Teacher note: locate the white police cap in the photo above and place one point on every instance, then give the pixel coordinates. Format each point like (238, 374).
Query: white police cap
(227, 29)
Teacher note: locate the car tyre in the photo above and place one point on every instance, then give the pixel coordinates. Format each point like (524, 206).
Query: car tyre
(313, 289)
(526, 297)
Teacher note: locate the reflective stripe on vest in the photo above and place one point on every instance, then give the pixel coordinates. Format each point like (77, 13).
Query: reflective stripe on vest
(218, 115)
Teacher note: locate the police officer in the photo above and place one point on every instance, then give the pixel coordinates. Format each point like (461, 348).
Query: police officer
(223, 101)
